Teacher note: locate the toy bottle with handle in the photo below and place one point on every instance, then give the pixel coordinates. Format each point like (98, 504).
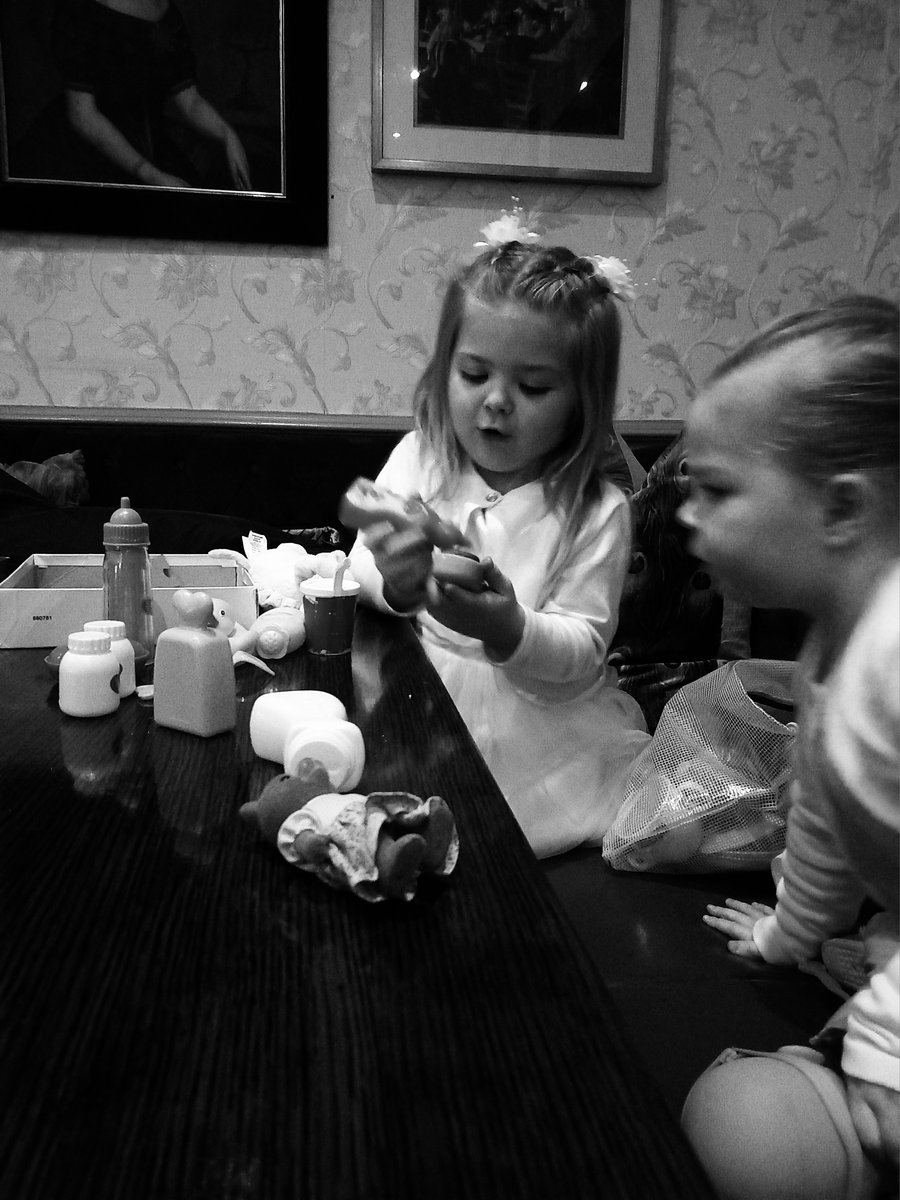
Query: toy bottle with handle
(127, 591)
(193, 678)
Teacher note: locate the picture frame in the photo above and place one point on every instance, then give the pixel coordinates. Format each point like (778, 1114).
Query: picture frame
(483, 92)
(258, 73)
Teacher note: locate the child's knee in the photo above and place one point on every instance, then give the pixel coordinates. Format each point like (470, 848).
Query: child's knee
(762, 1131)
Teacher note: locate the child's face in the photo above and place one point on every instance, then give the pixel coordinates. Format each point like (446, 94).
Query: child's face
(512, 396)
(752, 521)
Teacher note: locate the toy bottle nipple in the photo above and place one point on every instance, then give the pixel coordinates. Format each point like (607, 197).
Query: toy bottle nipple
(127, 591)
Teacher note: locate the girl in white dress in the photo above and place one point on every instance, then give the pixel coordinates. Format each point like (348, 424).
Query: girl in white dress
(513, 430)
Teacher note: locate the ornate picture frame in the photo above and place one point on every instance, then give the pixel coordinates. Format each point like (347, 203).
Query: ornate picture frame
(253, 66)
(572, 91)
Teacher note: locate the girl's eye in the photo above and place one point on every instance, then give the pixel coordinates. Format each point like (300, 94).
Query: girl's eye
(472, 377)
(531, 389)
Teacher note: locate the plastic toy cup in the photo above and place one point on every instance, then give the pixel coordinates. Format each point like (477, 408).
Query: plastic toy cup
(329, 615)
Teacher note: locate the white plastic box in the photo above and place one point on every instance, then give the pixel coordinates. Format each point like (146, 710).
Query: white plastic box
(50, 596)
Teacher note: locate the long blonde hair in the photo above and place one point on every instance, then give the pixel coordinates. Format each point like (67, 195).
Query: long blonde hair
(557, 283)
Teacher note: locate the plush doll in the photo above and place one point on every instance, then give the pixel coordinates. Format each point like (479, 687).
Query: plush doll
(61, 478)
(278, 573)
(375, 846)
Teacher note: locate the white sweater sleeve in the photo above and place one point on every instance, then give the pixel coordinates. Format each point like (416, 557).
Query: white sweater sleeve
(819, 894)
(397, 475)
(563, 648)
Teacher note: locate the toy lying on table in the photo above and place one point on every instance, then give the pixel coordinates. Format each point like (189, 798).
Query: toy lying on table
(375, 846)
(275, 632)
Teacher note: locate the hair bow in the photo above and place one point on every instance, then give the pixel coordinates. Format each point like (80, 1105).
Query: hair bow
(616, 274)
(508, 227)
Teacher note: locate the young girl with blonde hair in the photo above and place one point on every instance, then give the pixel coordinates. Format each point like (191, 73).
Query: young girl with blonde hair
(513, 432)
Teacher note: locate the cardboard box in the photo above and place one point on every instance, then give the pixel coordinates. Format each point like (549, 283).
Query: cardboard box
(52, 595)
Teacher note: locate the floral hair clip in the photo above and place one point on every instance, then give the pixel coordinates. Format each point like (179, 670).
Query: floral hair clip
(507, 228)
(616, 274)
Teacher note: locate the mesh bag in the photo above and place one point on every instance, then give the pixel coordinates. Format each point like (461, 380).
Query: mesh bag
(706, 794)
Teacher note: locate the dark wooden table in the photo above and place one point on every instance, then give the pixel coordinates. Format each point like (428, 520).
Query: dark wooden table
(187, 1017)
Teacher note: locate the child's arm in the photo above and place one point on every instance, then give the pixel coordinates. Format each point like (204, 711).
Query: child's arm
(819, 894)
(563, 647)
(560, 651)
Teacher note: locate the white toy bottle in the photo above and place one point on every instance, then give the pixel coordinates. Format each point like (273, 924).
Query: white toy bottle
(88, 676)
(193, 677)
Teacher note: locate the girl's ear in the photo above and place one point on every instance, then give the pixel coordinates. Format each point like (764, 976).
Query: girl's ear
(850, 506)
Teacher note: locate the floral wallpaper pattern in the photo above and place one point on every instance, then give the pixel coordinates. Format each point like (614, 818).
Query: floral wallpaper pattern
(780, 191)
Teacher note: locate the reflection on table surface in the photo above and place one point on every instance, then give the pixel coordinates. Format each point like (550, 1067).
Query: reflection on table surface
(186, 1016)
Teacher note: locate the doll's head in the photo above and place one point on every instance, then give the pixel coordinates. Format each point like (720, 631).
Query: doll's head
(284, 795)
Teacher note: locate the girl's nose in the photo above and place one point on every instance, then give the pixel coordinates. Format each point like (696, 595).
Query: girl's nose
(496, 399)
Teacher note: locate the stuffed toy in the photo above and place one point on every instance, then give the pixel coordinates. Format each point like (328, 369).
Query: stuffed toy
(278, 573)
(61, 478)
(375, 846)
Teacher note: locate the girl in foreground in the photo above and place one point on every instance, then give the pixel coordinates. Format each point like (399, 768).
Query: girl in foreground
(793, 451)
(513, 430)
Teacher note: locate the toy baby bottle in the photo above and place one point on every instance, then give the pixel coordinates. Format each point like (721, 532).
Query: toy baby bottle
(193, 677)
(127, 591)
(88, 676)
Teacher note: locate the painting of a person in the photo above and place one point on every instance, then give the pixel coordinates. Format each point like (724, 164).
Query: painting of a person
(125, 99)
(129, 71)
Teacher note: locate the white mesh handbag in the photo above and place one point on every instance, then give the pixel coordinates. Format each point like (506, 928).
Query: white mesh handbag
(707, 792)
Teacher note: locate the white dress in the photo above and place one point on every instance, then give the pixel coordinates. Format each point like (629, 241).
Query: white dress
(556, 733)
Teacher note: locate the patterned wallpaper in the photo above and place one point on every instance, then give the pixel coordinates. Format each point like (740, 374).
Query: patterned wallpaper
(781, 190)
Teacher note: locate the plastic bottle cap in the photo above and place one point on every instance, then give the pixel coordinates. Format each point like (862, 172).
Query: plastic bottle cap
(89, 642)
(125, 527)
(115, 629)
(338, 746)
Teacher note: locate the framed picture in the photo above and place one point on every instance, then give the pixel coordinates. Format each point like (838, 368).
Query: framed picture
(186, 119)
(562, 89)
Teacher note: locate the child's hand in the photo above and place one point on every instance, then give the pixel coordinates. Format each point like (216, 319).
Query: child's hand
(875, 1111)
(736, 921)
(494, 615)
(403, 556)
